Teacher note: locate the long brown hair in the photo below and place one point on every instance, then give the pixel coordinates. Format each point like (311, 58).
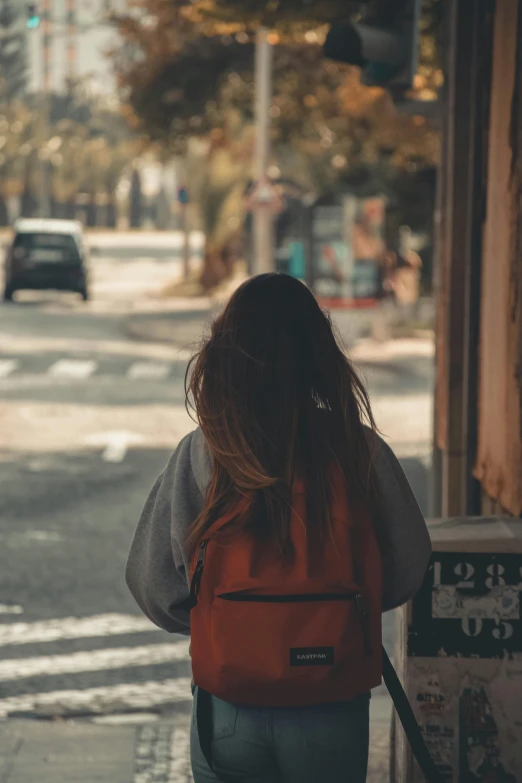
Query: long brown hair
(277, 399)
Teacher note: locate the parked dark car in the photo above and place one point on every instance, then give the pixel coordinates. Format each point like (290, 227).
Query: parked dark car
(47, 254)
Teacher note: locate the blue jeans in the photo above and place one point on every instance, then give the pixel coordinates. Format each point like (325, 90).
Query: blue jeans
(326, 743)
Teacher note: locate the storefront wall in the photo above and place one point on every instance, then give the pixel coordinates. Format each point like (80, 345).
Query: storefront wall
(499, 458)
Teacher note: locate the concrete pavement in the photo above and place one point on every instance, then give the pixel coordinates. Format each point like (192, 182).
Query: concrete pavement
(128, 749)
(85, 752)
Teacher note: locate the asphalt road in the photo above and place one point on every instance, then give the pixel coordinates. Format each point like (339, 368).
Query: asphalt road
(88, 418)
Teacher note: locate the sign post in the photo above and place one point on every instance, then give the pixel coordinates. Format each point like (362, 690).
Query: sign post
(183, 198)
(263, 219)
(264, 201)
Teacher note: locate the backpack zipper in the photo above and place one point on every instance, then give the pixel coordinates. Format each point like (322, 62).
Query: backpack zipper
(198, 572)
(276, 599)
(359, 598)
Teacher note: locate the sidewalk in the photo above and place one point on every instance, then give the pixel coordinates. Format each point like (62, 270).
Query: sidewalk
(182, 323)
(35, 751)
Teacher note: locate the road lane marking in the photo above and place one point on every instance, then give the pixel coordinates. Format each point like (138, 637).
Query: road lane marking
(115, 442)
(43, 535)
(11, 609)
(73, 628)
(98, 701)
(73, 368)
(127, 718)
(94, 661)
(145, 370)
(7, 366)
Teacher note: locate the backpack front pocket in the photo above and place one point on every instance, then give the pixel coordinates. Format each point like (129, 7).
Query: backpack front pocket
(271, 637)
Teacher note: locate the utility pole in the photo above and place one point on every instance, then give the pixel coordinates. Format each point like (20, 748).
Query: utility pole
(71, 39)
(44, 207)
(183, 198)
(263, 218)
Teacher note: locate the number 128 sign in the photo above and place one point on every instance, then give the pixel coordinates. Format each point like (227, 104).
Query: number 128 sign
(469, 606)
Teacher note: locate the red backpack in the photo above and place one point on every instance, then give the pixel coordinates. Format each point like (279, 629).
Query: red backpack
(274, 635)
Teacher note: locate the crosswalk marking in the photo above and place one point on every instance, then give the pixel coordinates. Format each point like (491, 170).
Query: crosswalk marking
(11, 609)
(7, 366)
(73, 628)
(73, 368)
(148, 370)
(27, 370)
(112, 698)
(106, 699)
(93, 661)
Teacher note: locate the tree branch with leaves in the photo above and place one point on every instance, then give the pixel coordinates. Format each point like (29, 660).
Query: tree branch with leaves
(186, 70)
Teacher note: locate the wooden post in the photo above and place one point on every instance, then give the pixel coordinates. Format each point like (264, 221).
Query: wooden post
(459, 274)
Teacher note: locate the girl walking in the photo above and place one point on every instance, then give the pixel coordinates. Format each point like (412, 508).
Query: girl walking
(278, 533)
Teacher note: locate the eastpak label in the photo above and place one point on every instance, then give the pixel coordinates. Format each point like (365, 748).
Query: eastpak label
(311, 656)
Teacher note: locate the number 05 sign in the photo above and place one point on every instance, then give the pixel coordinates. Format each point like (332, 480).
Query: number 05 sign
(469, 606)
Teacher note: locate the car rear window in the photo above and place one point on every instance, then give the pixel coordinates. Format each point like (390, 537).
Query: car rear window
(54, 241)
(47, 246)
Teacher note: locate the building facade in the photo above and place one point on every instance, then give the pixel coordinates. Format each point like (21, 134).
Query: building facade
(73, 39)
(478, 428)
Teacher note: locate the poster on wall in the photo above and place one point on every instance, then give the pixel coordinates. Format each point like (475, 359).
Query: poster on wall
(469, 714)
(347, 247)
(465, 666)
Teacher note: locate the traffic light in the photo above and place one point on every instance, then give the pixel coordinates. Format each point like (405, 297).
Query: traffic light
(384, 46)
(33, 16)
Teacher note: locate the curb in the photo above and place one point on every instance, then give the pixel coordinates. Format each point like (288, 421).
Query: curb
(178, 329)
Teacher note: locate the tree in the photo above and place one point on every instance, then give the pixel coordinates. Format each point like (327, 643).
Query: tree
(85, 148)
(13, 60)
(136, 200)
(17, 129)
(224, 174)
(283, 14)
(186, 70)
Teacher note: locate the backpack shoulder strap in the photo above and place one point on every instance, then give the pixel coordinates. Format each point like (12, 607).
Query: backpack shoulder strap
(204, 722)
(408, 720)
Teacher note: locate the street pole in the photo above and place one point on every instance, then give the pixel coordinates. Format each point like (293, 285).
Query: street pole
(71, 40)
(349, 214)
(186, 241)
(43, 196)
(183, 201)
(263, 218)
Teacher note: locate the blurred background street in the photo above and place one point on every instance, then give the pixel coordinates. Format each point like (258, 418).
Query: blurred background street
(191, 148)
(154, 154)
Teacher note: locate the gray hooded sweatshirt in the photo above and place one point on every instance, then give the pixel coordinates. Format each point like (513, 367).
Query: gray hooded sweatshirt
(158, 565)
